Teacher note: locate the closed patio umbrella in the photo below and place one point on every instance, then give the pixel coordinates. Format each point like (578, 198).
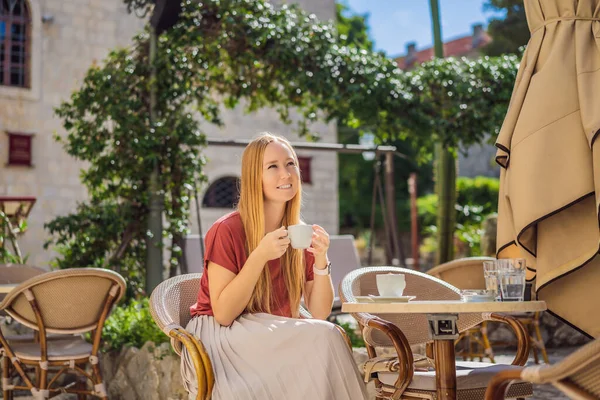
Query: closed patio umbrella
(549, 151)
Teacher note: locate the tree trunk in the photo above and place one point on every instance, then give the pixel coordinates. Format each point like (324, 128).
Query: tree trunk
(445, 187)
(179, 240)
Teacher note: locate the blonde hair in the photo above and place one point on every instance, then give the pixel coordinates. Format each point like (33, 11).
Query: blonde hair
(251, 209)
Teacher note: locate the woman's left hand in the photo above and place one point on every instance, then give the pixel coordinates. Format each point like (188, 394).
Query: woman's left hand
(320, 242)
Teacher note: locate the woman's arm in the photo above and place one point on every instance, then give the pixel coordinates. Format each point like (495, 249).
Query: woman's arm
(231, 293)
(319, 293)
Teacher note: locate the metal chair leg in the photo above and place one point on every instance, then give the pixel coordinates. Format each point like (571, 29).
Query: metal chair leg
(5, 375)
(486, 342)
(539, 338)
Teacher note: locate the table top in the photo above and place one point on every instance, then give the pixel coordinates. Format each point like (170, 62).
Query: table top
(444, 307)
(7, 287)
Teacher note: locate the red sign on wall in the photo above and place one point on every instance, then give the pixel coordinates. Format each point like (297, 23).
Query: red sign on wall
(19, 149)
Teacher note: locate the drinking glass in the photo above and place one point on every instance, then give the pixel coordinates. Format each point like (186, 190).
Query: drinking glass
(490, 273)
(511, 277)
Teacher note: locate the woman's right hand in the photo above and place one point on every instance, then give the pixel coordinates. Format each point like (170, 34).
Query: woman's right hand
(274, 244)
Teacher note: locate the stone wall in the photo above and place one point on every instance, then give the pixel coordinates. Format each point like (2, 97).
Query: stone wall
(76, 35)
(478, 160)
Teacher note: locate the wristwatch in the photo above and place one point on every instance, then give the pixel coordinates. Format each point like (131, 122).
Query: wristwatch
(324, 271)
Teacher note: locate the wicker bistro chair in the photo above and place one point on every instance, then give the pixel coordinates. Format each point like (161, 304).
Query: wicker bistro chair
(170, 304)
(577, 375)
(67, 302)
(467, 273)
(410, 376)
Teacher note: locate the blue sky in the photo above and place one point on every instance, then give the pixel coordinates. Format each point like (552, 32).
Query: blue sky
(394, 23)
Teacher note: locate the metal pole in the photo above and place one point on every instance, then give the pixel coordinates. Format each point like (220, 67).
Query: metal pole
(445, 182)
(154, 261)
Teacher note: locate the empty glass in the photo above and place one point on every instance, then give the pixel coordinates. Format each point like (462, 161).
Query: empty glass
(511, 279)
(490, 272)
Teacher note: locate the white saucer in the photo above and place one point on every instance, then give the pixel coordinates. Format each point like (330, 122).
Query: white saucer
(384, 299)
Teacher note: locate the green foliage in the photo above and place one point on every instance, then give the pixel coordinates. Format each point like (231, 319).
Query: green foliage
(9, 232)
(353, 29)
(242, 50)
(476, 199)
(464, 101)
(131, 325)
(509, 31)
(355, 339)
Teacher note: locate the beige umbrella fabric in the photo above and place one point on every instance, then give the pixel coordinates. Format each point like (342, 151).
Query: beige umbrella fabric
(549, 150)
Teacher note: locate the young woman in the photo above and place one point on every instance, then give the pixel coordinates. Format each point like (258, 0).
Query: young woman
(247, 314)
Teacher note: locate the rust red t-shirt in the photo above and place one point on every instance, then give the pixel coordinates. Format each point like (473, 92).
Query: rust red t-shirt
(225, 246)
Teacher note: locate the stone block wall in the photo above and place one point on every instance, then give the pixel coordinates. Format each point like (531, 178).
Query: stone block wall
(78, 35)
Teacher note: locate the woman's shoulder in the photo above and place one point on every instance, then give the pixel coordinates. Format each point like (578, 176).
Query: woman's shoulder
(232, 222)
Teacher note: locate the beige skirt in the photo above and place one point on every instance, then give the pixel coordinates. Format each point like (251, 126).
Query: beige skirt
(263, 356)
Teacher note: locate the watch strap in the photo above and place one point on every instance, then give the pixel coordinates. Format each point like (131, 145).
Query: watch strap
(324, 271)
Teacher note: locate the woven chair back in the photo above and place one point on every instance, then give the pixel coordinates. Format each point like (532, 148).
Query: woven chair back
(170, 302)
(70, 301)
(463, 273)
(580, 370)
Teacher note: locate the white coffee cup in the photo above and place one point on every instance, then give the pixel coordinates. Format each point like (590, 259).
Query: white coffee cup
(391, 285)
(300, 235)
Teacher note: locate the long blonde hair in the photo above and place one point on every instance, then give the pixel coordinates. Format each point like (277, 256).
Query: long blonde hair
(251, 209)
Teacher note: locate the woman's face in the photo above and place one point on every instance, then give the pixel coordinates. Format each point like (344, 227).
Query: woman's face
(281, 177)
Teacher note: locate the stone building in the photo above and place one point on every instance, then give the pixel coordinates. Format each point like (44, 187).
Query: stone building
(46, 48)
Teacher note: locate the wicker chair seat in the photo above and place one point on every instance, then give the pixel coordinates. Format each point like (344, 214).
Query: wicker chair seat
(58, 350)
(516, 391)
(30, 337)
(469, 375)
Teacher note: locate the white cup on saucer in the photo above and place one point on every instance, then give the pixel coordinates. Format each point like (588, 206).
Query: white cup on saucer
(391, 285)
(300, 236)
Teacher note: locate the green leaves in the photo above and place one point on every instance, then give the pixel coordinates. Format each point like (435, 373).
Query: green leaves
(10, 229)
(476, 199)
(131, 325)
(231, 52)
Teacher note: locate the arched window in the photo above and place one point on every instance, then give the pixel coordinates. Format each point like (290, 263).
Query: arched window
(222, 193)
(15, 38)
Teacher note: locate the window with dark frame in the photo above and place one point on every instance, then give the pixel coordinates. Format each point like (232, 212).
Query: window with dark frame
(19, 149)
(304, 166)
(222, 193)
(15, 43)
